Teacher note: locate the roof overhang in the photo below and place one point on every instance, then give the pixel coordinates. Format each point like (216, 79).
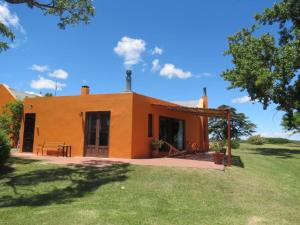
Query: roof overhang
(223, 113)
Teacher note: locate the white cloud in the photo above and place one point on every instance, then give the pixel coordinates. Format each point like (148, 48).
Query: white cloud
(60, 74)
(12, 21)
(39, 68)
(7, 17)
(43, 83)
(241, 100)
(170, 71)
(33, 93)
(187, 103)
(155, 65)
(157, 51)
(144, 67)
(131, 50)
(206, 74)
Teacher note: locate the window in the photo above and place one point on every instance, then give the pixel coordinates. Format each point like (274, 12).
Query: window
(150, 125)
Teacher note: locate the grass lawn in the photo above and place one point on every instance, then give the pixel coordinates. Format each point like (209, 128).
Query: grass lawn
(263, 187)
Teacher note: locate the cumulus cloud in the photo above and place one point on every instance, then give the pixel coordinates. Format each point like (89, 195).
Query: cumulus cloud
(60, 74)
(241, 100)
(39, 68)
(170, 71)
(131, 50)
(157, 51)
(43, 83)
(155, 65)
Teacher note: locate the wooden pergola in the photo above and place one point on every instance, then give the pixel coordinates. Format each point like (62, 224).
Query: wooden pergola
(207, 112)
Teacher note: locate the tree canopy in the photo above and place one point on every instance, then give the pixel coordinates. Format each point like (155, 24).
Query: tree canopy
(10, 119)
(266, 64)
(68, 11)
(293, 125)
(240, 125)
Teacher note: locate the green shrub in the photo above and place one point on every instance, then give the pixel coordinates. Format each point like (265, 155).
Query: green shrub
(4, 148)
(277, 140)
(217, 145)
(256, 140)
(235, 144)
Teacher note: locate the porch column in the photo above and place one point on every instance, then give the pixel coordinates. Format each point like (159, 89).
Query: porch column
(228, 136)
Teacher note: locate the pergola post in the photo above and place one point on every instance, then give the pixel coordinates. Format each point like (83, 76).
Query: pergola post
(228, 137)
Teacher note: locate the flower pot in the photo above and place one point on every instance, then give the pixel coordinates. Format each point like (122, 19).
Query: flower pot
(218, 157)
(155, 152)
(223, 151)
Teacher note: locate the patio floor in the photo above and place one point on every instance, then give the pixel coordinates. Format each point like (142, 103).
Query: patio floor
(201, 161)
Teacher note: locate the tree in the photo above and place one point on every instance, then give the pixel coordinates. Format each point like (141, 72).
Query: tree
(68, 11)
(293, 125)
(48, 94)
(240, 125)
(10, 120)
(267, 66)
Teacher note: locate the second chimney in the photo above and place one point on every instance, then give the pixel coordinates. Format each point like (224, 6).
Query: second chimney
(85, 90)
(203, 102)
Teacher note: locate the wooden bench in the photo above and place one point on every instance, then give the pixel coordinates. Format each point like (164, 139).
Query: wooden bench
(51, 148)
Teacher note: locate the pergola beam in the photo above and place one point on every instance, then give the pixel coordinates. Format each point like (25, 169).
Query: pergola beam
(228, 139)
(196, 111)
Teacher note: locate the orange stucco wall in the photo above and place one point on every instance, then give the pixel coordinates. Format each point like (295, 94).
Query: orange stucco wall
(142, 106)
(5, 97)
(62, 119)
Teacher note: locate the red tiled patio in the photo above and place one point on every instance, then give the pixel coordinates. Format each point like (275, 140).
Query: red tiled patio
(200, 161)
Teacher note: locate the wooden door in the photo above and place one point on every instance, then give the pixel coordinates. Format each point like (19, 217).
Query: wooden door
(97, 134)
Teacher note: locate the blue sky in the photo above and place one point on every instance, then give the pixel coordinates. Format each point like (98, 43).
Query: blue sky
(184, 39)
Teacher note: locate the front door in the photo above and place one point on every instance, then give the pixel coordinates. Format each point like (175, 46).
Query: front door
(97, 134)
(29, 126)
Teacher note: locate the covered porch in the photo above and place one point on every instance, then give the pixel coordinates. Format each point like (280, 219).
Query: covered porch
(199, 112)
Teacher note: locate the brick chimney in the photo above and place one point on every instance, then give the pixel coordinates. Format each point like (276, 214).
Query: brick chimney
(85, 90)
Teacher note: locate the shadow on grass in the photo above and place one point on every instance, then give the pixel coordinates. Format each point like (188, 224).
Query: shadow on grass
(58, 185)
(279, 152)
(237, 161)
(8, 168)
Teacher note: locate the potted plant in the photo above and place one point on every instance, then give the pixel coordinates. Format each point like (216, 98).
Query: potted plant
(156, 145)
(218, 148)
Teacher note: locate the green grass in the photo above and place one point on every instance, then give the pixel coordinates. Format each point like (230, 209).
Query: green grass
(263, 187)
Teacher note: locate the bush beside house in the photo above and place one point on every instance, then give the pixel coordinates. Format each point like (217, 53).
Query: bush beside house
(4, 148)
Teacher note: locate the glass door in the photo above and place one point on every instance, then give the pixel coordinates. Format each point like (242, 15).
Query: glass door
(172, 131)
(97, 134)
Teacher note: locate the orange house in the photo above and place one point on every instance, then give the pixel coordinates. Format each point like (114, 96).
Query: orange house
(8, 95)
(119, 125)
